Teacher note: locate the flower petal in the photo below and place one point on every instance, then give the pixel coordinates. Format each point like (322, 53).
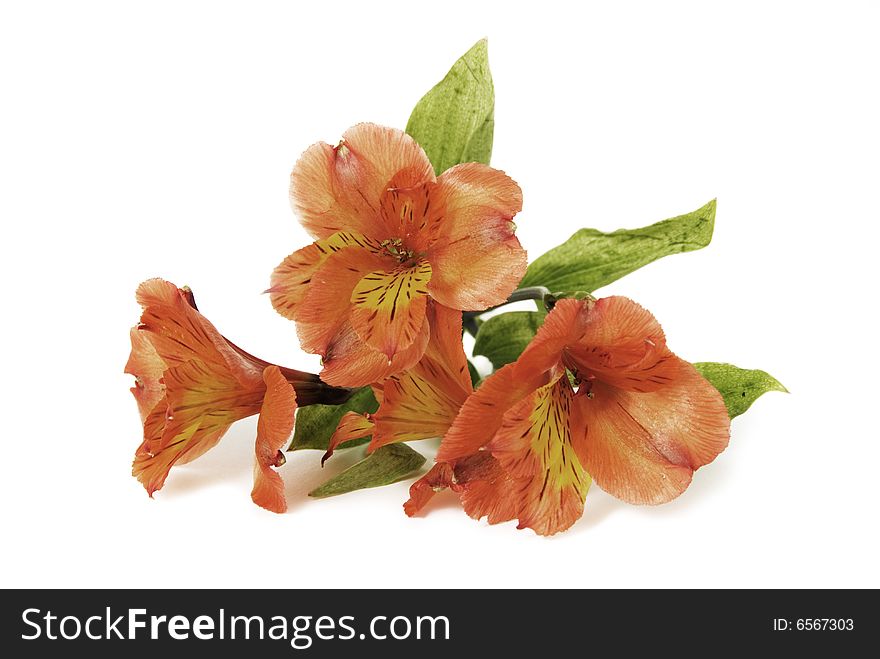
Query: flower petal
(179, 333)
(335, 189)
(623, 345)
(438, 478)
(477, 259)
(474, 194)
(151, 469)
(562, 326)
(291, 279)
(423, 401)
(155, 457)
(145, 364)
(199, 406)
(414, 408)
(389, 307)
(349, 362)
(326, 306)
(488, 490)
(274, 428)
(534, 446)
(351, 426)
(412, 212)
(643, 447)
(445, 348)
(482, 413)
(198, 394)
(312, 195)
(485, 488)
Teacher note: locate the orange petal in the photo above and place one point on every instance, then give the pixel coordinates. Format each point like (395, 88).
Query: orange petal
(312, 195)
(371, 158)
(445, 348)
(412, 212)
(643, 447)
(477, 259)
(349, 362)
(291, 279)
(378, 392)
(485, 488)
(155, 456)
(438, 478)
(623, 345)
(351, 426)
(179, 333)
(335, 189)
(423, 401)
(151, 469)
(274, 428)
(534, 446)
(561, 327)
(474, 194)
(326, 306)
(154, 425)
(145, 364)
(482, 413)
(213, 400)
(200, 405)
(413, 408)
(389, 307)
(488, 490)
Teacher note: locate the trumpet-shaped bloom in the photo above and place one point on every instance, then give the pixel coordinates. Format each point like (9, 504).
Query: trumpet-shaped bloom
(192, 384)
(390, 237)
(597, 393)
(422, 402)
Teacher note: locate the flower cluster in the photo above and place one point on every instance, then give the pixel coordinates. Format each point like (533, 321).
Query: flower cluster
(404, 261)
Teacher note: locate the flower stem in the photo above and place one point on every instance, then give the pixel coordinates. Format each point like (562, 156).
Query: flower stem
(309, 387)
(528, 293)
(469, 322)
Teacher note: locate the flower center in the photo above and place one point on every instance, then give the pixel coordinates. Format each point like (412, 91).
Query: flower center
(395, 248)
(582, 381)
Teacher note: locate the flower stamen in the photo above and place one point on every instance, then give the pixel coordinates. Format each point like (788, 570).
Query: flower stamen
(394, 248)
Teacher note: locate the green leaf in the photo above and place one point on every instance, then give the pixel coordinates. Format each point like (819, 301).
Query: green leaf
(502, 338)
(383, 466)
(738, 386)
(455, 121)
(315, 424)
(591, 259)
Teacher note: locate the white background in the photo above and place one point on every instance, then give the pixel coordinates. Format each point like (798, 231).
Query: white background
(144, 139)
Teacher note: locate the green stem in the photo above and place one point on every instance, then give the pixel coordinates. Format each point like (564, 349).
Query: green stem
(529, 293)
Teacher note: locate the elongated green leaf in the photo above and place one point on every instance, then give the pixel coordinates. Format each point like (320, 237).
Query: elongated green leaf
(591, 259)
(455, 121)
(738, 386)
(502, 338)
(315, 424)
(383, 466)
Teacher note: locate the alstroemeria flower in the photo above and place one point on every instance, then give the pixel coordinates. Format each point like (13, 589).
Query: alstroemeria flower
(422, 402)
(390, 236)
(596, 393)
(192, 384)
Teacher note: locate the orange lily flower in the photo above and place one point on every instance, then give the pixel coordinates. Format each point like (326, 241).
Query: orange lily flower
(192, 384)
(422, 402)
(390, 236)
(596, 393)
